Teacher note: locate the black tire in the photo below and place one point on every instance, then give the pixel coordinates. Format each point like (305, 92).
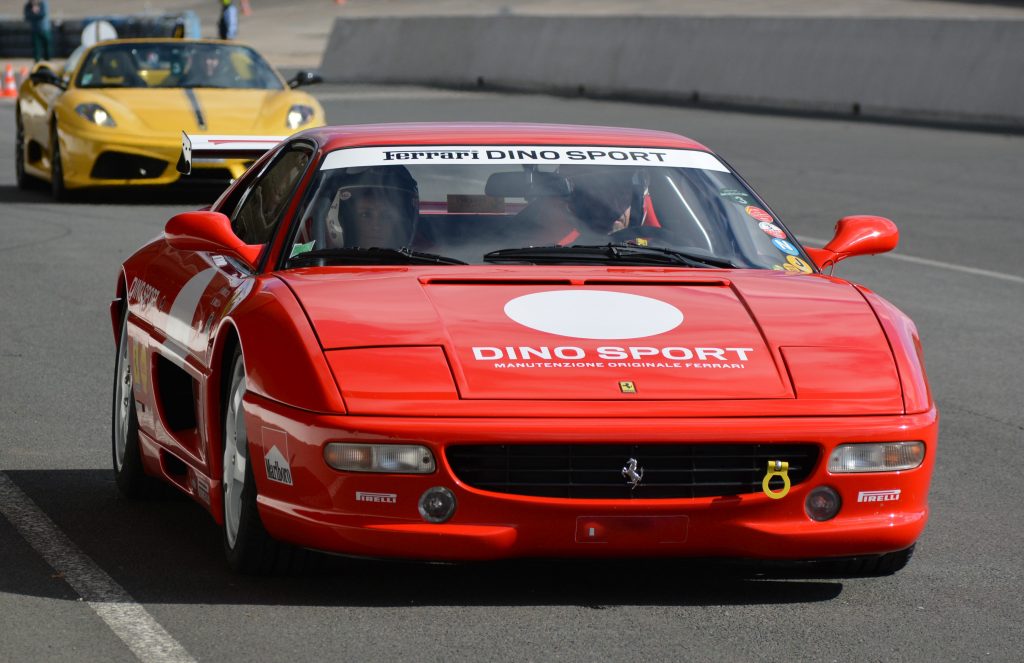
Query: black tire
(248, 547)
(59, 192)
(20, 176)
(131, 479)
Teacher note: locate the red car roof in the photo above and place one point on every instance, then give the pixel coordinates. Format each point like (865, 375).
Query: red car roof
(484, 133)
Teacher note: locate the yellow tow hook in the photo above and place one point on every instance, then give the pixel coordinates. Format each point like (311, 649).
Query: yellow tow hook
(776, 468)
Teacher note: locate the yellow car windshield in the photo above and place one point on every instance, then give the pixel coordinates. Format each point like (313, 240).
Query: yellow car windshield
(176, 65)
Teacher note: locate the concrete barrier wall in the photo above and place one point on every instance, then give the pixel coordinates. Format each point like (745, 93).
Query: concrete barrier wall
(942, 70)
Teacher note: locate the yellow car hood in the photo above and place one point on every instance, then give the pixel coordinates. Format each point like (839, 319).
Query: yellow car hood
(235, 111)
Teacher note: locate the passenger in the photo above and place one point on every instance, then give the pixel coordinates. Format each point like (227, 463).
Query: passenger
(377, 207)
(601, 198)
(598, 205)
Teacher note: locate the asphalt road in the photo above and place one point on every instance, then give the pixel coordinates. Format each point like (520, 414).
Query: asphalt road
(958, 273)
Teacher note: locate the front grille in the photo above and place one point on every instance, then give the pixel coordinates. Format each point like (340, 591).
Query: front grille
(123, 166)
(222, 175)
(594, 471)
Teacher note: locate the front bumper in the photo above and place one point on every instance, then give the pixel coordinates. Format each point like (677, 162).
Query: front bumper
(105, 157)
(321, 510)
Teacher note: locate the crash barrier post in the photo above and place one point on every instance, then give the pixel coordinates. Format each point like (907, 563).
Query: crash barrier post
(10, 88)
(947, 71)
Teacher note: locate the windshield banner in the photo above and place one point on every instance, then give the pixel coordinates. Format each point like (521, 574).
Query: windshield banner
(520, 154)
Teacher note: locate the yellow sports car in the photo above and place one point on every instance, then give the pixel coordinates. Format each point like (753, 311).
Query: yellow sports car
(114, 114)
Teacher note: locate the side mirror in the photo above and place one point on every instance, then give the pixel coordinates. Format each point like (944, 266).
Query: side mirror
(305, 78)
(209, 231)
(860, 235)
(45, 76)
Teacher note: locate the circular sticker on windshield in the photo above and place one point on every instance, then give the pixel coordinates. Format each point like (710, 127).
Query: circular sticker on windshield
(785, 247)
(759, 214)
(772, 229)
(794, 264)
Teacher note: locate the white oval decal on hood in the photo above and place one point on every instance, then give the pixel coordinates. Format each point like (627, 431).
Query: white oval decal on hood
(594, 314)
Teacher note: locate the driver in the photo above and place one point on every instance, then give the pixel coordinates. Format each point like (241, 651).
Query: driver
(377, 207)
(601, 198)
(207, 67)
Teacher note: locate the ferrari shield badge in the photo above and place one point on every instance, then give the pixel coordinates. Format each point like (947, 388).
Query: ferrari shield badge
(627, 387)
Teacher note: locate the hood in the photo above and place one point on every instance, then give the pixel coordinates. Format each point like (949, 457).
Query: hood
(236, 111)
(641, 336)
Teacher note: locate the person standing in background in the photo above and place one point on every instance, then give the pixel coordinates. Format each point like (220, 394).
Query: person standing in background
(37, 14)
(227, 27)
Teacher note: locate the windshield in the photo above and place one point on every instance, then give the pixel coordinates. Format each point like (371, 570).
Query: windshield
(502, 204)
(175, 64)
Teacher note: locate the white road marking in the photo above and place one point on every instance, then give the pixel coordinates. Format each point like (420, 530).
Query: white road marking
(127, 619)
(1012, 278)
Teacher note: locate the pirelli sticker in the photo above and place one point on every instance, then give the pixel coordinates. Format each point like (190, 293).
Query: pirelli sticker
(415, 155)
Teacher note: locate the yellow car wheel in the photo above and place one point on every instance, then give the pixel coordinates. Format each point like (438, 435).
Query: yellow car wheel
(57, 188)
(23, 179)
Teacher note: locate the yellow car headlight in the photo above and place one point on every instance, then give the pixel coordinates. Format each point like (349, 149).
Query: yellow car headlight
(298, 116)
(96, 114)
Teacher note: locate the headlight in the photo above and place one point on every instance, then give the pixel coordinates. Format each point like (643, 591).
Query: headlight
(394, 458)
(299, 115)
(96, 114)
(876, 457)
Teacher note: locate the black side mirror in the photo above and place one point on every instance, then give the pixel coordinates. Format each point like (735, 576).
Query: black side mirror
(46, 76)
(305, 78)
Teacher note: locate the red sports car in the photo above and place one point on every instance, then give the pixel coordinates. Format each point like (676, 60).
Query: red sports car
(481, 341)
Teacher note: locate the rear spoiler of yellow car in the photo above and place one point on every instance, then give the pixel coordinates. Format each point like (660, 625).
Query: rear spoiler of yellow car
(216, 148)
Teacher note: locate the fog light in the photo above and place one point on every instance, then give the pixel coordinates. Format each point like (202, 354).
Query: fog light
(437, 504)
(822, 504)
(876, 457)
(392, 458)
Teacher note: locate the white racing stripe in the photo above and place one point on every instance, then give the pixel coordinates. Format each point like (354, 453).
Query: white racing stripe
(1012, 278)
(127, 619)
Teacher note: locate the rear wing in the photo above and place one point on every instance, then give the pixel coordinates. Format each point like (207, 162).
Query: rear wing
(216, 148)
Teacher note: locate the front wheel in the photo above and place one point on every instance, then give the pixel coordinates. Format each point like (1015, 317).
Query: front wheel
(20, 176)
(131, 479)
(247, 545)
(58, 190)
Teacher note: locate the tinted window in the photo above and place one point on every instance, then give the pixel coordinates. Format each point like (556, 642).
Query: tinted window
(263, 203)
(445, 202)
(176, 65)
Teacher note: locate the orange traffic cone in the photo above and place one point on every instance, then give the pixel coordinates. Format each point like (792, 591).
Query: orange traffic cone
(22, 74)
(10, 86)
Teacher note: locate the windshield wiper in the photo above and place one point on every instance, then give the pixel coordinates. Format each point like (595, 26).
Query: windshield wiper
(369, 256)
(604, 253)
